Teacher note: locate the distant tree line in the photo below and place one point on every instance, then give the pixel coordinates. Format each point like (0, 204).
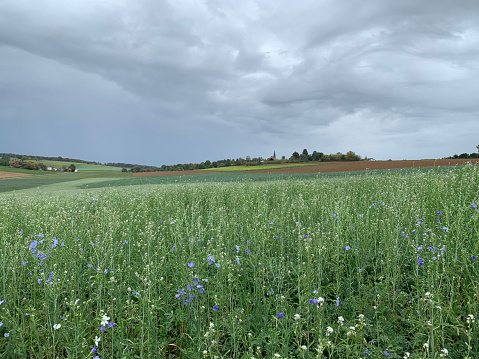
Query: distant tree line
(296, 157)
(305, 156)
(24, 158)
(464, 156)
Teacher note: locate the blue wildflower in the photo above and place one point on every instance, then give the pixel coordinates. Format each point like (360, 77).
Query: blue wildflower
(280, 315)
(215, 308)
(191, 265)
(421, 261)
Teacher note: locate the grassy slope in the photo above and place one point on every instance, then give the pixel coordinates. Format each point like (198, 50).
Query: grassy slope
(82, 166)
(79, 166)
(17, 184)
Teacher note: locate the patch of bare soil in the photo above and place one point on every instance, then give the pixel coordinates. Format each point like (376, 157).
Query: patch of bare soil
(334, 167)
(12, 174)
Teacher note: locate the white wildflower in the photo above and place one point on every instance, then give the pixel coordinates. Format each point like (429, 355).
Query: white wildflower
(57, 326)
(105, 319)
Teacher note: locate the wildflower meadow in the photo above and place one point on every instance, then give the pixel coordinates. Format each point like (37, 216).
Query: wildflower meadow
(375, 265)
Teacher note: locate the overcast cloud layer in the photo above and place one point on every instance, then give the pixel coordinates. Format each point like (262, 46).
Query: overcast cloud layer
(163, 82)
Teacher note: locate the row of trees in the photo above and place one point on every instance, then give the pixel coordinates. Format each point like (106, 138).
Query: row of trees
(319, 156)
(466, 155)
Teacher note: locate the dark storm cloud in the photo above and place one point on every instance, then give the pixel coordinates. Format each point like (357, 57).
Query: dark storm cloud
(186, 80)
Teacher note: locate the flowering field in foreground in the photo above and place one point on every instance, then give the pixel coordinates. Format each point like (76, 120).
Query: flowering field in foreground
(371, 266)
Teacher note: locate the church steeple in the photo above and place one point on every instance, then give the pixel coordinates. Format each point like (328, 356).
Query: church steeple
(274, 154)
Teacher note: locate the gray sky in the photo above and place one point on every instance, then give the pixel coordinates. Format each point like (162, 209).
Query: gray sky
(163, 82)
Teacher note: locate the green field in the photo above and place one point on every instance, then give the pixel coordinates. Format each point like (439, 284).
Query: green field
(21, 170)
(363, 265)
(259, 167)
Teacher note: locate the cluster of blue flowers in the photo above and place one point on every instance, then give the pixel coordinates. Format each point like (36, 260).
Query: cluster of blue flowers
(190, 290)
(211, 260)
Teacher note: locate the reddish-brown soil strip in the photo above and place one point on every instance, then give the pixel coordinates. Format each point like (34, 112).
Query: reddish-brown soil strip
(333, 167)
(12, 174)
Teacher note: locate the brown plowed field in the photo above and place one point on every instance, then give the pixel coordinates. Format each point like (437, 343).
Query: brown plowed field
(333, 167)
(12, 174)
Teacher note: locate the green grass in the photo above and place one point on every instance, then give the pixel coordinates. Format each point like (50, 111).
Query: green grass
(53, 178)
(259, 167)
(96, 168)
(300, 267)
(21, 170)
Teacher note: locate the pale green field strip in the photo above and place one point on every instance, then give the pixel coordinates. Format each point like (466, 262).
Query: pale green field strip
(259, 167)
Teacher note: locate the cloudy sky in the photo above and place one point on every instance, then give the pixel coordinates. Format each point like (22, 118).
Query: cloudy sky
(162, 82)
